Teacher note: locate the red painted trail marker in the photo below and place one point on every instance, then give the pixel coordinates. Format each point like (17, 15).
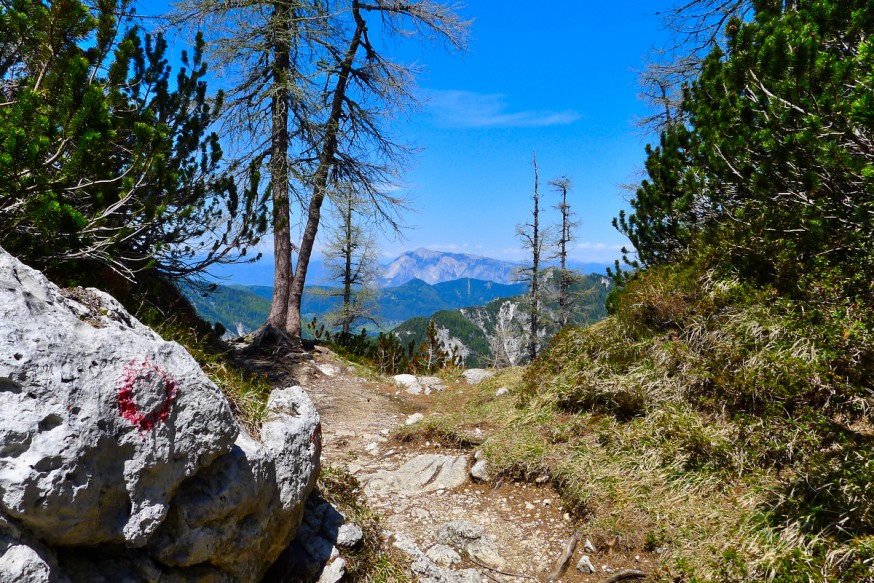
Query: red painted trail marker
(144, 381)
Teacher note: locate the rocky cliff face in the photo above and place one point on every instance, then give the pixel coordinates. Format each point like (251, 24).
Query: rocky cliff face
(120, 459)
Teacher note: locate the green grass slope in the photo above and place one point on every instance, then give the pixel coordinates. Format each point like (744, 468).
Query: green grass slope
(719, 423)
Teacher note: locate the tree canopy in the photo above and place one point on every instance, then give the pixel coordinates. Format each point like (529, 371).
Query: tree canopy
(104, 156)
(773, 161)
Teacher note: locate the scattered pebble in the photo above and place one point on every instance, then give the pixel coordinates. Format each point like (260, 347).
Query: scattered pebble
(414, 418)
(584, 565)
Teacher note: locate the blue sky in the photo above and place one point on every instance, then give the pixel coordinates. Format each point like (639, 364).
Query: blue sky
(557, 78)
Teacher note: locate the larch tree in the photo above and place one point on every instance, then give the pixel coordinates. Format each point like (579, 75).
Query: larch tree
(365, 89)
(314, 95)
(694, 28)
(567, 300)
(534, 240)
(269, 49)
(351, 260)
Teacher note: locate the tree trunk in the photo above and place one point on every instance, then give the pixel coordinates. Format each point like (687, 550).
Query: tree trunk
(562, 274)
(320, 179)
(347, 275)
(279, 167)
(535, 269)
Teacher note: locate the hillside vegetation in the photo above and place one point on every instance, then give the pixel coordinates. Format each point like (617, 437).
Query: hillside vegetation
(721, 417)
(248, 305)
(494, 333)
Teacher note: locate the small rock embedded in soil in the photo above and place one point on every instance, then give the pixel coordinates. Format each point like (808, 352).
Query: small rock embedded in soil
(349, 535)
(584, 565)
(472, 539)
(414, 418)
(443, 555)
(480, 471)
(333, 571)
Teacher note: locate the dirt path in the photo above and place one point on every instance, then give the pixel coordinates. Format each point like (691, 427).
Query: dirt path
(527, 524)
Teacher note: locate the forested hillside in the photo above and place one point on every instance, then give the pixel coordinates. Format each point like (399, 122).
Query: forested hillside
(248, 305)
(495, 333)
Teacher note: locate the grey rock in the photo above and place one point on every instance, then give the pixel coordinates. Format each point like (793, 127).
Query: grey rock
(443, 555)
(20, 562)
(584, 565)
(407, 546)
(409, 383)
(241, 511)
(423, 473)
(22, 558)
(349, 535)
(73, 469)
(414, 418)
(426, 570)
(475, 376)
(480, 471)
(471, 539)
(469, 576)
(589, 546)
(502, 391)
(114, 439)
(329, 370)
(333, 571)
(430, 384)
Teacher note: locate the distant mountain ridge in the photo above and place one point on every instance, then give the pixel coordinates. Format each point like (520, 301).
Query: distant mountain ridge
(437, 266)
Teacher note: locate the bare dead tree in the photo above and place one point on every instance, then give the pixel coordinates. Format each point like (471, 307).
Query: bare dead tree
(533, 239)
(566, 277)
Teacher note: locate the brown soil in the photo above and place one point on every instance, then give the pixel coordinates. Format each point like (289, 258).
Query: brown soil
(527, 520)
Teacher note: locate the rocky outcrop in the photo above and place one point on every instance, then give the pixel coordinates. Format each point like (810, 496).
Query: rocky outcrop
(118, 456)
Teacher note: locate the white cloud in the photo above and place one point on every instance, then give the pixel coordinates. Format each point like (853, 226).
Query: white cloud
(467, 109)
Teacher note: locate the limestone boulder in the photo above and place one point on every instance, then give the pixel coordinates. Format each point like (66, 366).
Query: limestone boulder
(101, 420)
(240, 512)
(120, 460)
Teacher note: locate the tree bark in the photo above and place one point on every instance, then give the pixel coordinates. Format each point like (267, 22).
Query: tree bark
(279, 166)
(347, 276)
(535, 268)
(320, 179)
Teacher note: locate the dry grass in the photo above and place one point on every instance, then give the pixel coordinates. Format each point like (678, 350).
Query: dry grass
(701, 422)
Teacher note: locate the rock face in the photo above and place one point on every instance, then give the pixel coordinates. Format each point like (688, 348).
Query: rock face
(112, 438)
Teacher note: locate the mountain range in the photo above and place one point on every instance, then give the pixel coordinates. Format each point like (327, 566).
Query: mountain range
(437, 266)
(425, 264)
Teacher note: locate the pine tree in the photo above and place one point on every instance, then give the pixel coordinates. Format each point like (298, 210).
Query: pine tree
(102, 159)
(772, 167)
